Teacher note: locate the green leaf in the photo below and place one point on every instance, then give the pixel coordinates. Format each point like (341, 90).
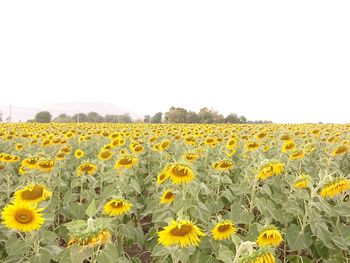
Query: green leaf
(297, 240)
(42, 257)
(109, 254)
(225, 254)
(91, 210)
(342, 210)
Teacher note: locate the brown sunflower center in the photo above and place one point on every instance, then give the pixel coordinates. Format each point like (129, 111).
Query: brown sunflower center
(225, 164)
(182, 231)
(24, 216)
(117, 204)
(180, 171)
(125, 161)
(168, 195)
(33, 194)
(105, 154)
(223, 228)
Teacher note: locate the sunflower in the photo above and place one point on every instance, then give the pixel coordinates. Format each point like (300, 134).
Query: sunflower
(30, 162)
(79, 153)
(302, 182)
(260, 256)
(98, 237)
(180, 173)
(164, 144)
(32, 194)
(335, 188)
(269, 236)
(223, 230)
(167, 197)
(340, 150)
(117, 207)
(126, 162)
(252, 146)
(270, 169)
(105, 155)
(298, 154)
(191, 156)
(162, 176)
(86, 167)
(22, 216)
(46, 165)
(223, 165)
(183, 233)
(288, 145)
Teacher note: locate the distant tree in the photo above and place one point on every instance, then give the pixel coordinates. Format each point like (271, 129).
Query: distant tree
(210, 116)
(80, 117)
(112, 118)
(147, 119)
(125, 118)
(94, 117)
(192, 117)
(232, 118)
(63, 118)
(43, 117)
(176, 115)
(157, 118)
(242, 119)
(30, 121)
(1, 116)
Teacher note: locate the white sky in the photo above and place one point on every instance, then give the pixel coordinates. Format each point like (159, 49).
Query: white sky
(285, 61)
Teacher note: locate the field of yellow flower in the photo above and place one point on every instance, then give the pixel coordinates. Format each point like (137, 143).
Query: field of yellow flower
(174, 193)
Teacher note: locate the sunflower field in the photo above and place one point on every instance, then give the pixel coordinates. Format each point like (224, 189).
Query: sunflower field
(174, 193)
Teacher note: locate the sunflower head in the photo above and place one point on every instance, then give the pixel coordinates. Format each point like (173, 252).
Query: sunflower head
(32, 194)
(269, 236)
(22, 216)
(335, 187)
(105, 155)
(183, 233)
(117, 207)
(223, 230)
(86, 168)
(79, 153)
(126, 162)
(223, 165)
(167, 197)
(180, 173)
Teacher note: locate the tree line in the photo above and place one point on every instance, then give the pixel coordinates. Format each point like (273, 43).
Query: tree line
(173, 115)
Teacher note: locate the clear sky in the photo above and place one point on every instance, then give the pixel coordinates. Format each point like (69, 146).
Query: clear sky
(285, 61)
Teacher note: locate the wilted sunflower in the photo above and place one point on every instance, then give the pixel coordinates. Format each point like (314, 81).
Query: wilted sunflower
(126, 162)
(86, 168)
(22, 216)
(91, 239)
(79, 153)
(223, 230)
(117, 207)
(180, 173)
(183, 233)
(269, 236)
(167, 197)
(32, 194)
(223, 165)
(335, 188)
(105, 155)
